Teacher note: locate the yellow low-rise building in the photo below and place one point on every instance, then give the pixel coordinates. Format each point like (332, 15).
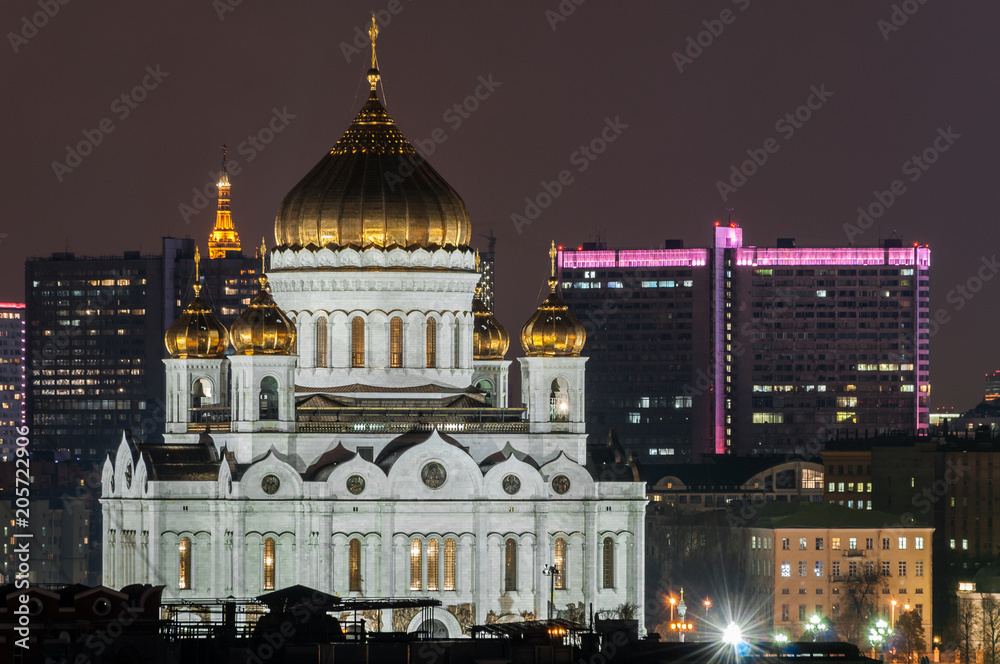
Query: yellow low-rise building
(819, 559)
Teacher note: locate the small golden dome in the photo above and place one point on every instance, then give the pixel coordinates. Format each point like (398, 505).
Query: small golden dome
(490, 340)
(263, 329)
(553, 331)
(196, 333)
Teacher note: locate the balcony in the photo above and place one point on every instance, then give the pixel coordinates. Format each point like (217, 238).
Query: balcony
(854, 553)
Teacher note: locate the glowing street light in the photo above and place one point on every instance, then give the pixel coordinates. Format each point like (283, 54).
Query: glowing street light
(892, 620)
(780, 638)
(816, 626)
(878, 635)
(673, 601)
(732, 634)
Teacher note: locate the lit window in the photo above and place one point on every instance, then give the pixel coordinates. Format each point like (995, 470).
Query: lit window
(184, 577)
(802, 544)
(449, 564)
(321, 344)
(432, 564)
(431, 343)
(560, 559)
(510, 566)
(835, 543)
(819, 568)
(358, 342)
(269, 564)
(609, 563)
(852, 543)
(965, 545)
(902, 543)
(918, 543)
(354, 565)
(416, 569)
(396, 342)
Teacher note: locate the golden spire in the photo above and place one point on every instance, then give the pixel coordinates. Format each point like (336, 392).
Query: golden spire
(477, 267)
(372, 35)
(263, 253)
(197, 277)
(552, 259)
(223, 237)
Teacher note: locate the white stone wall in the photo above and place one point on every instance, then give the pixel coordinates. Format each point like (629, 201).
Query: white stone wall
(313, 522)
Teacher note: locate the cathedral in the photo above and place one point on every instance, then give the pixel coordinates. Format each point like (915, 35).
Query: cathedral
(352, 431)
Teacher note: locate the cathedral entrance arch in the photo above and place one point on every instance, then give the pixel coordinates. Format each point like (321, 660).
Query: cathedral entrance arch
(437, 623)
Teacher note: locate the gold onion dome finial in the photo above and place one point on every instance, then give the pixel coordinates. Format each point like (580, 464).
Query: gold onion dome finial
(196, 332)
(263, 328)
(372, 189)
(553, 331)
(490, 339)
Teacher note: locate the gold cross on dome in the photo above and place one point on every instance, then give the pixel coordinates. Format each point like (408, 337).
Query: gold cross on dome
(263, 252)
(552, 257)
(373, 35)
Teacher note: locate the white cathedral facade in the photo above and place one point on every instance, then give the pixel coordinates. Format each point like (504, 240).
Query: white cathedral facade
(357, 437)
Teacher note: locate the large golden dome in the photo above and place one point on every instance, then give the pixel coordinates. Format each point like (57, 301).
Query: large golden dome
(372, 188)
(263, 328)
(490, 340)
(553, 331)
(196, 333)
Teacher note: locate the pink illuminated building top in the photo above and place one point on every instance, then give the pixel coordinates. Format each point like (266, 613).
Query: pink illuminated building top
(569, 259)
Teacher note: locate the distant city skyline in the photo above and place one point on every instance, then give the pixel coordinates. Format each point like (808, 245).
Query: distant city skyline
(834, 123)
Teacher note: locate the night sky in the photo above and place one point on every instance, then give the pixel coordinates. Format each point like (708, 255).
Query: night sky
(892, 78)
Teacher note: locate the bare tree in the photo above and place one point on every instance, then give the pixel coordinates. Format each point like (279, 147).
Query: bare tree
(989, 628)
(909, 633)
(861, 593)
(966, 629)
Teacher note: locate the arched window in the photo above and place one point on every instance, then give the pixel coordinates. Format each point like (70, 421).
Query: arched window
(487, 387)
(416, 569)
(457, 345)
(510, 566)
(449, 564)
(358, 342)
(269, 563)
(609, 563)
(559, 401)
(201, 394)
(432, 343)
(354, 565)
(432, 564)
(184, 576)
(396, 342)
(321, 343)
(560, 560)
(269, 398)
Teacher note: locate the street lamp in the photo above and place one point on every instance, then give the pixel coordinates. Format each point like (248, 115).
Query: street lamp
(816, 626)
(877, 635)
(551, 571)
(672, 603)
(892, 620)
(780, 638)
(708, 605)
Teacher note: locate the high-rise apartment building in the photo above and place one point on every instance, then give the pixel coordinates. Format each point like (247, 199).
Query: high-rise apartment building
(95, 333)
(749, 350)
(12, 387)
(992, 386)
(94, 356)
